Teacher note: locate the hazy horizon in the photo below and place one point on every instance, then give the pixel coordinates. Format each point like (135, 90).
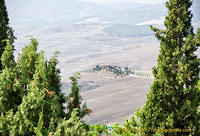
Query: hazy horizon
(34, 13)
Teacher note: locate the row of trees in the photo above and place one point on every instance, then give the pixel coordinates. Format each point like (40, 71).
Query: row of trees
(32, 103)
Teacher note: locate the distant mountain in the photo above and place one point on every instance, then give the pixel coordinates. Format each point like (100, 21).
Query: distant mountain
(33, 13)
(123, 30)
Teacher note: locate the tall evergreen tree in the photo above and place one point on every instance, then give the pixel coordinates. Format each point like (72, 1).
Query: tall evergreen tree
(42, 96)
(173, 99)
(6, 32)
(30, 93)
(54, 79)
(27, 63)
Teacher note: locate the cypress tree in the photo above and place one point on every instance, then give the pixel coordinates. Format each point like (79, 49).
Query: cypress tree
(34, 101)
(27, 63)
(173, 99)
(30, 93)
(74, 99)
(6, 32)
(54, 80)
(41, 98)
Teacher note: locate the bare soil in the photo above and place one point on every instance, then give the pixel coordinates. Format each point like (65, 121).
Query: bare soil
(115, 99)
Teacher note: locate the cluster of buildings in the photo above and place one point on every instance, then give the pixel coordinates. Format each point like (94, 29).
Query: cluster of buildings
(123, 72)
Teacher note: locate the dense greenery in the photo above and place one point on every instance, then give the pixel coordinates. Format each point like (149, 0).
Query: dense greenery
(174, 97)
(73, 126)
(29, 87)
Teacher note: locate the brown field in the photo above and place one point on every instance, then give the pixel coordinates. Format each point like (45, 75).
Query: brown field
(115, 99)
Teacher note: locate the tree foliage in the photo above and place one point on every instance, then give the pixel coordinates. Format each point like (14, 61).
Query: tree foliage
(97, 129)
(30, 90)
(72, 127)
(9, 87)
(173, 99)
(129, 129)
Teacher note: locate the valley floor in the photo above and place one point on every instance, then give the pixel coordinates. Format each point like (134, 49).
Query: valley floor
(115, 99)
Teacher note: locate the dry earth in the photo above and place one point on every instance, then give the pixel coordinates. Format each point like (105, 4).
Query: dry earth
(115, 99)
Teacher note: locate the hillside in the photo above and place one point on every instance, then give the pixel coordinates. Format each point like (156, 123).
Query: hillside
(84, 46)
(109, 101)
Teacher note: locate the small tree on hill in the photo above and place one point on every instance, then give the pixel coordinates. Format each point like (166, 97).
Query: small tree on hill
(74, 99)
